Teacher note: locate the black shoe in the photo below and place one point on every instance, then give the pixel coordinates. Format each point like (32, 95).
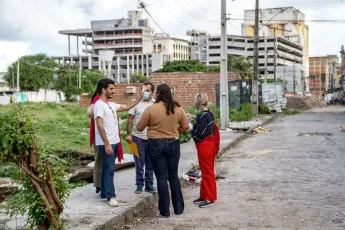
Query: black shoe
(150, 188)
(198, 201)
(139, 189)
(206, 204)
(98, 189)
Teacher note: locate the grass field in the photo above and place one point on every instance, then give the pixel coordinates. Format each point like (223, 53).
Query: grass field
(63, 127)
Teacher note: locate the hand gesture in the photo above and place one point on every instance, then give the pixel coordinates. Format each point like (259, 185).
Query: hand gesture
(129, 139)
(108, 150)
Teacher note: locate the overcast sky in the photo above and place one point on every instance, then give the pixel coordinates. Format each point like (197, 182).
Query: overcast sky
(31, 26)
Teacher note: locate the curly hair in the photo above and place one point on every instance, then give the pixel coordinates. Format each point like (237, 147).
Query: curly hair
(165, 96)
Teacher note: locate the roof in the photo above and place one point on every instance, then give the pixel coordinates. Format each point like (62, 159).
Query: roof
(77, 32)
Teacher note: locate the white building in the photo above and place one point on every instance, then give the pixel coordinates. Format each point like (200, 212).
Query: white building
(131, 40)
(273, 51)
(195, 35)
(177, 48)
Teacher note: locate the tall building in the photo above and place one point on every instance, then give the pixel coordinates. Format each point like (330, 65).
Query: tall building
(195, 36)
(286, 22)
(130, 39)
(277, 51)
(177, 48)
(322, 73)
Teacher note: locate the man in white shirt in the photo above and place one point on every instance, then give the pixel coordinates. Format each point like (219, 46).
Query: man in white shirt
(140, 139)
(107, 135)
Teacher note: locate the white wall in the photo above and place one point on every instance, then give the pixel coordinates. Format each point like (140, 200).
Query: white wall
(33, 96)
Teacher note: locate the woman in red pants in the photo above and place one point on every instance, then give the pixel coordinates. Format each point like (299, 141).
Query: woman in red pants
(206, 137)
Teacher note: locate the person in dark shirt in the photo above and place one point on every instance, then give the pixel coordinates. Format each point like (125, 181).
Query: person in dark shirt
(205, 134)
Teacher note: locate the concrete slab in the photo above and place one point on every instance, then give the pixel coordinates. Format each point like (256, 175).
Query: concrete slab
(85, 211)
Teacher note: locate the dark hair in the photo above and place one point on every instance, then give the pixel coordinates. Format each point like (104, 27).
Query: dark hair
(102, 84)
(165, 96)
(149, 83)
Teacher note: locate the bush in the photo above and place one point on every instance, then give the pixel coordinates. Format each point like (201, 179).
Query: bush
(44, 187)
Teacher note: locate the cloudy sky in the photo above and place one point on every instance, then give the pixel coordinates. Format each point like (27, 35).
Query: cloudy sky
(31, 26)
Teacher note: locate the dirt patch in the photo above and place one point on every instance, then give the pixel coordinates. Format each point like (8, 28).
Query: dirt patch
(295, 102)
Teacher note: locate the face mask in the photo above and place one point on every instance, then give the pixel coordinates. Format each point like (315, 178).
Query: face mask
(146, 96)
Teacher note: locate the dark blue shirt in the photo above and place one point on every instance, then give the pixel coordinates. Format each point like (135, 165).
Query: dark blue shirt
(203, 126)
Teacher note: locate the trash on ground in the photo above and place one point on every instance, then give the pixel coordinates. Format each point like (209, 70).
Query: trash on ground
(342, 128)
(260, 130)
(194, 176)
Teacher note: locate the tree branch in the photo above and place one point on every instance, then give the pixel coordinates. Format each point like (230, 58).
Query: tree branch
(50, 213)
(52, 188)
(27, 170)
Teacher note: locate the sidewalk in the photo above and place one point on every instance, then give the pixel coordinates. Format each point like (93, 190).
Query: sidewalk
(85, 211)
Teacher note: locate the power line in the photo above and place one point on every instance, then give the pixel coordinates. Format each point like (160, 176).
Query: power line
(198, 13)
(197, 18)
(143, 6)
(234, 26)
(204, 8)
(296, 21)
(174, 15)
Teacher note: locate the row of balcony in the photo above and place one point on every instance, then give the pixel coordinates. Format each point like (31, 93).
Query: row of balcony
(117, 35)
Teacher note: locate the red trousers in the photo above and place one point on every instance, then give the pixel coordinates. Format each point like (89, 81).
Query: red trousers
(207, 156)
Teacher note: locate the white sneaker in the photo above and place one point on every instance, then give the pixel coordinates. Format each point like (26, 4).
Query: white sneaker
(113, 202)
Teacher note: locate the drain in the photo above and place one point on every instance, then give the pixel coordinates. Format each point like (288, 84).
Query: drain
(315, 134)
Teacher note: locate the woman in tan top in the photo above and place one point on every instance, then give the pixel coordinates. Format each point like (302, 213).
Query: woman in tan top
(165, 121)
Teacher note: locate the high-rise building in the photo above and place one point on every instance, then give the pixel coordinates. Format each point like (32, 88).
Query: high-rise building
(195, 36)
(275, 53)
(287, 22)
(322, 73)
(130, 39)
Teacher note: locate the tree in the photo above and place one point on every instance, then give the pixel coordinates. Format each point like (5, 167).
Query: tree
(138, 78)
(183, 66)
(44, 186)
(31, 75)
(239, 64)
(67, 82)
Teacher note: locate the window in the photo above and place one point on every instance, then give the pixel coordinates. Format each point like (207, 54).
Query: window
(236, 48)
(214, 55)
(214, 47)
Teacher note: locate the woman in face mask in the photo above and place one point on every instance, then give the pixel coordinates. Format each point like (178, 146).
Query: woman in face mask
(206, 137)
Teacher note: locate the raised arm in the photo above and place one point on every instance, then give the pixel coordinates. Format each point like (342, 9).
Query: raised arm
(134, 103)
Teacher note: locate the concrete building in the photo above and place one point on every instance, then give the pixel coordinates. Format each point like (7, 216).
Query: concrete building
(2, 78)
(195, 35)
(177, 48)
(131, 40)
(322, 74)
(286, 22)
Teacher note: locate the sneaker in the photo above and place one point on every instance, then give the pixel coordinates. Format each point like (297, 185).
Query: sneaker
(139, 189)
(206, 204)
(198, 201)
(150, 188)
(103, 199)
(113, 202)
(98, 189)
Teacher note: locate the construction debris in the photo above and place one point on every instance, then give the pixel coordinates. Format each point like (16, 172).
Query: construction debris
(260, 130)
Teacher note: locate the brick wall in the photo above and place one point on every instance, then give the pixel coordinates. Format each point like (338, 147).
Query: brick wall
(120, 95)
(184, 87)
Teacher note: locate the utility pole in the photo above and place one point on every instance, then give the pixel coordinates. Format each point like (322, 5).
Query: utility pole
(294, 76)
(224, 98)
(12, 79)
(17, 96)
(255, 88)
(79, 82)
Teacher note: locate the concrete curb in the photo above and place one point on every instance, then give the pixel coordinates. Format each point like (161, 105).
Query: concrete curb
(149, 199)
(129, 213)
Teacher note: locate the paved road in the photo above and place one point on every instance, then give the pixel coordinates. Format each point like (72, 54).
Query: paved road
(277, 180)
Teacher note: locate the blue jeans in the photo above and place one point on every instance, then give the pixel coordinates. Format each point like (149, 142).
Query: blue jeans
(141, 162)
(165, 156)
(108, 170)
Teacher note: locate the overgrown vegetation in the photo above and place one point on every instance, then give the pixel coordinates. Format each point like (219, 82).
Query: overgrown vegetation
(139, 78)
(183, 66)
(42, 175)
